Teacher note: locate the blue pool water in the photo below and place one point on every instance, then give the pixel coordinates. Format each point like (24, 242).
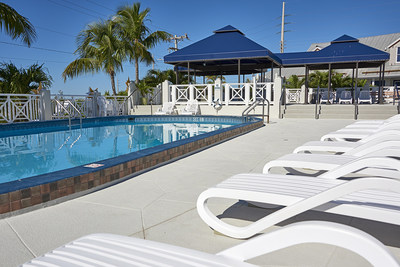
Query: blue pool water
(29, 154)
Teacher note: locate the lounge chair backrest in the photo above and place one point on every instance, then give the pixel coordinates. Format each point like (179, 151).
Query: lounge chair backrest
(364, 95)
(345, 95)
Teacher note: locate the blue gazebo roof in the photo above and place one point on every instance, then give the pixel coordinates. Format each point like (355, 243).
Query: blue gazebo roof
(221, 51)
(343, 52)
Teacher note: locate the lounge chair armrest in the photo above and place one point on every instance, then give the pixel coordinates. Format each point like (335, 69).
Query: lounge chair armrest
(361, 163)
(315, 232)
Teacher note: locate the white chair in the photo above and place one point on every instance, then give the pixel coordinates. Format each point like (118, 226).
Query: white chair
(345, 97)
(114, 250)
(192, 108)
(374, 162)
(345, 146)
(369, 198)
(364, 97)
(167, 109)
(325, 99)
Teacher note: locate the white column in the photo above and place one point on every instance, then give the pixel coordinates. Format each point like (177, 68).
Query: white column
(274, 111)
(302, 94)
(269, 92)
(209, 94)
(227, 95)
(191, 92)
(247, 94)
(165, 85)
(173, 93)
(45, 106)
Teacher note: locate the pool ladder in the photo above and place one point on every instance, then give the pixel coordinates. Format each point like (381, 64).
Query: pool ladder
(252, 107)
(68, 112)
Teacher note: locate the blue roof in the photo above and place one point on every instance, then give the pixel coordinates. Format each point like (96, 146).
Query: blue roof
(344, 49)
(226, 43)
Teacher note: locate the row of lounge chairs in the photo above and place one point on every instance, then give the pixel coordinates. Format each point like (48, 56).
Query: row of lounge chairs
(169, 108)
(346, 97)
(358, 175)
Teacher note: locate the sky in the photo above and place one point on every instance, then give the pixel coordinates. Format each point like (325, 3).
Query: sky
(58, 22)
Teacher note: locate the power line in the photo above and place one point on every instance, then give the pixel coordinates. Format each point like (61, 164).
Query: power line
(97, 4)
(91, 10)
(31, 59)
(49, 30)
(38, 48)
(74, 9)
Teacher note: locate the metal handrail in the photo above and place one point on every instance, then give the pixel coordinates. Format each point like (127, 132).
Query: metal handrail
(79, 112)
(282, 99)
(69, 114)
(317, 105)
(151, 101)
(129, 97)
(246, 112)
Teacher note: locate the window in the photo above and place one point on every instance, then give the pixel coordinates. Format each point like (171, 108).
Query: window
(398, 55)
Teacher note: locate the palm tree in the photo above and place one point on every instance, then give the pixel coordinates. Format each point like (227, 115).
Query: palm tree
(213, 78)
(318, 78)
(22, 81)
(99, 49)
(15, 25)
(137, 35)
(294, 82)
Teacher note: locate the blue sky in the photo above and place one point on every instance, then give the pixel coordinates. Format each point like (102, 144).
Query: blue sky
(58, 22)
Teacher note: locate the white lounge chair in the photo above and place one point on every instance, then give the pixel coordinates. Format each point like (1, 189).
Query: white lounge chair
(375, 163)
(363, 123)
(167, 109)
(325, 99)
(364, 97)
(114, 250)
(349, 147)
(369, 198)
(355, 134)
(345, 97)
(192, 108)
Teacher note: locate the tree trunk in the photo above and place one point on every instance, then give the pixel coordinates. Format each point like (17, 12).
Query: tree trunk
(113, 83)
(137, 70)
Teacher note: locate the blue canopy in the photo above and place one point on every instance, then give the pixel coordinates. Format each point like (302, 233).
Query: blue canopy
(220, 52)
(343, 53)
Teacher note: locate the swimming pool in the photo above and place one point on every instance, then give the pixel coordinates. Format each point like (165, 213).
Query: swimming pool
(42, 161)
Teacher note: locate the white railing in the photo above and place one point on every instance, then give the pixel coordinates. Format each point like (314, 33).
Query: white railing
(228, 94)
(116, 105)
(293, 95)
(73, 106)
(19, 107)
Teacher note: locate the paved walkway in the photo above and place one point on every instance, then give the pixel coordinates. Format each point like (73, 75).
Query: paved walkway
(160, 205)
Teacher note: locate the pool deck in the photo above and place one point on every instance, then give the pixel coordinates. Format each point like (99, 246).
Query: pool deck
(160, 205)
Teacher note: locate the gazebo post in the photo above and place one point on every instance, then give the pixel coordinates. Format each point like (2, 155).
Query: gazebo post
(329, 82)
(188, 72)
(272, 72)
(238, 70)
(176, 74)
(383, 81)
(355, 95)
(380, 83)
(305, 85)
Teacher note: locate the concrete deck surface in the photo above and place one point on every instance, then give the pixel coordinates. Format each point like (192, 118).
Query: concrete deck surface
(160, 205)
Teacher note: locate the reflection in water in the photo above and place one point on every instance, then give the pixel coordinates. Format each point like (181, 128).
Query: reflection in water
(29, 155)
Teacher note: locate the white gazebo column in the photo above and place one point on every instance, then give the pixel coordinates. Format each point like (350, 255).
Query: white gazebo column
(209, 94)
(274, 110)
(165, 92)
(191, 92)
(227, 95)
(45, 105)
(247, 94)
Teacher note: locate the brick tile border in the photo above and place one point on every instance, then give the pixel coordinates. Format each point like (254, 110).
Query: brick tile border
(27, 197)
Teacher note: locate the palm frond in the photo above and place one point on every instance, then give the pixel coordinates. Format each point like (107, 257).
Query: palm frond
(15, 25)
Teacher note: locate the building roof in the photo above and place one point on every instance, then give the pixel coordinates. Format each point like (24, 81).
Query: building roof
(219, 53)
(341, 53)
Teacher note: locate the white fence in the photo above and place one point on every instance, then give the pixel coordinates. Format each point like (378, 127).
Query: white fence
(30, 107)
(228, 93)
(19, 107)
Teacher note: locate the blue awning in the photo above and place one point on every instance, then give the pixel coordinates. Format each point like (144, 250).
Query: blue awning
(343, 52)
(221, 52)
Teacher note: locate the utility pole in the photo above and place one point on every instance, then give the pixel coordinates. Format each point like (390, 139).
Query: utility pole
(283, 27)
(177, 39)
